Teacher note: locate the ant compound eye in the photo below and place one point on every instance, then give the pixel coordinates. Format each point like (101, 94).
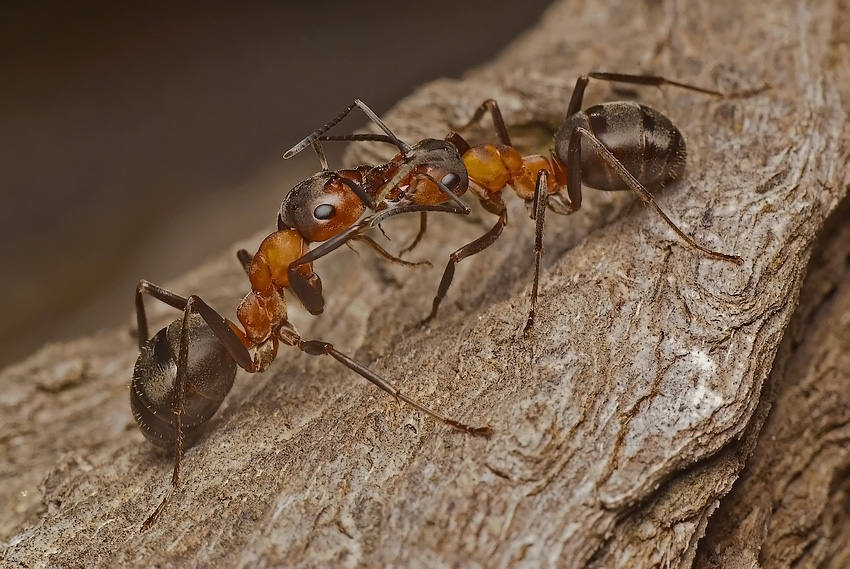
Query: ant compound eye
(450, 180)
(324, 211)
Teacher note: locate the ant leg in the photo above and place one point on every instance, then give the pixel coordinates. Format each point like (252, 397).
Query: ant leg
(498, 122)
(219, 325)
(467, 250)
(658, 81)
(388, 256)
(177, 408)
(318, 348)
(652, 80)
(577, 96)
(159, 293)
(400, 144)
(423, 224)
(574, 187)
(230, 341)
(311, 298)
(458, 142)
(540, 193)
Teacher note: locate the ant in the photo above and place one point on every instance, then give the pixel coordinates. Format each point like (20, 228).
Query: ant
(427, 176)
(611, 146)
(185, 370)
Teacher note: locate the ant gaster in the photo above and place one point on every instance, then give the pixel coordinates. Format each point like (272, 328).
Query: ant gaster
(612, 146)
(185, 370)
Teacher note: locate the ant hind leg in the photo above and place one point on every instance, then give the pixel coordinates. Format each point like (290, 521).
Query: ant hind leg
(220, 327)
(318, 348)
(574, 185)
(540, 193)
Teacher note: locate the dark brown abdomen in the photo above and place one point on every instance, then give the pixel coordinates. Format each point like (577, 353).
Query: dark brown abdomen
(641, 138)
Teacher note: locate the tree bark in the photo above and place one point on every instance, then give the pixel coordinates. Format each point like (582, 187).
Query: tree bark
(653, 379)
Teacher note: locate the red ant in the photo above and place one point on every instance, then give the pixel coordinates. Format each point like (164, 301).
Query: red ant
(612, 146)
(185, 370)
(427, 176)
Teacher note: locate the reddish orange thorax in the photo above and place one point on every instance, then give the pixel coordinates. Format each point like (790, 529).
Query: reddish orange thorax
(491, 167)
(269, 267)
(263, 309)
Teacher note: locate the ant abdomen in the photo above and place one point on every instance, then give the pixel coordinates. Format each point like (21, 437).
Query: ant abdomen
(210, 373)
(643, 140)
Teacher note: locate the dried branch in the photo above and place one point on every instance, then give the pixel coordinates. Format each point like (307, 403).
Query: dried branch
(621, 420)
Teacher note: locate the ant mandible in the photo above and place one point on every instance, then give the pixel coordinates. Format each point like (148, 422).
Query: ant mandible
(612, 146)
(184, 371)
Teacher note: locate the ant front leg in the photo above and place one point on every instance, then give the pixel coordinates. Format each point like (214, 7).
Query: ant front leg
(574, 187)
(454, 205)
(225, 335)
(310, 296)
(387, 256)
(496, 206)
(423, 225)
(318, 348)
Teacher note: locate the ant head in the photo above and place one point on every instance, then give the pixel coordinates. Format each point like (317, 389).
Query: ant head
(440, 161)
(321, 206)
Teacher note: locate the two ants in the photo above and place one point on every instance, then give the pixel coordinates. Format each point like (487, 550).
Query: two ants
(185, 370)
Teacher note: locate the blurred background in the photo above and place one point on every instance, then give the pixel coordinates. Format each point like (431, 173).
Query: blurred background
(138, 139)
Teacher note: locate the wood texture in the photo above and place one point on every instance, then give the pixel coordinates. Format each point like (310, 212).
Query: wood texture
(621, 421)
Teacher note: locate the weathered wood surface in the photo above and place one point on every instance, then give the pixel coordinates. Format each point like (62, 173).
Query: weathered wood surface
(621, 420)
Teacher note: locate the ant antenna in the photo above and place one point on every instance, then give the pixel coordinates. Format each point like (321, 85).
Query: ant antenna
(357, 137)
(403, 147)
(317, 148)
